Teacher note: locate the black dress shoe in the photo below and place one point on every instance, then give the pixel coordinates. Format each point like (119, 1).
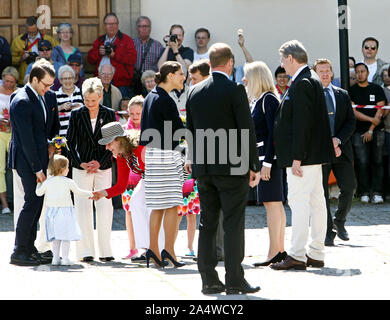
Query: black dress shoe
(41, 258)
(106, 259)
(141, 258)
(329, 240)
(244, 289)
(213, 288)
(87, 259)
(21, 259)
(341, 232)
(47, 254)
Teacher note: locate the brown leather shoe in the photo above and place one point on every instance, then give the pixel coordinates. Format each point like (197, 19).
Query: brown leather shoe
(314, 263)
(289, 263)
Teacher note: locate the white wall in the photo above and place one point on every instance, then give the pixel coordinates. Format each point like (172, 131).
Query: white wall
(269, 23)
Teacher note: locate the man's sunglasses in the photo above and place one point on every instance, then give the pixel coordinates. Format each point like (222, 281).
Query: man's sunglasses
(44, 50)
(368, 47)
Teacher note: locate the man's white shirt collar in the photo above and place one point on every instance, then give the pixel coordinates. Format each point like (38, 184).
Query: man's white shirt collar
(298, 72)
(33, 90)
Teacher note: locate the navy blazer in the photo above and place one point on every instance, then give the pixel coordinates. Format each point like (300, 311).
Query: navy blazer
(264, 125)
(28, 151)
(344, 122)
(83, 142)
(302, 129)
(158, 108)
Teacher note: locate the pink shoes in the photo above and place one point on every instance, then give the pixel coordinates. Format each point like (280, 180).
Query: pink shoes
(132, 253)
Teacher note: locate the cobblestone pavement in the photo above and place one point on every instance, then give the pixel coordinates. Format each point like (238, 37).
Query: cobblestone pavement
(361, 267)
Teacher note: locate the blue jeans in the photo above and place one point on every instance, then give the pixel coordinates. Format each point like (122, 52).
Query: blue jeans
(369, 162)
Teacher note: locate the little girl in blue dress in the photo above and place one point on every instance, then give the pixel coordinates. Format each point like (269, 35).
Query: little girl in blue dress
(60, 221)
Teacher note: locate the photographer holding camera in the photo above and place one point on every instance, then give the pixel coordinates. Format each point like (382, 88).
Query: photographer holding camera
(24, 48)
(45, 51)
(175, 51)
(117, 49)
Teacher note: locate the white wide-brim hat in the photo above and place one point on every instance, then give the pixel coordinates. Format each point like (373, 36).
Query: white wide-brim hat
(110, 131)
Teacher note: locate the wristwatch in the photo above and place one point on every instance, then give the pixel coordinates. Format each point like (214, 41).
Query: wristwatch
(338, 141)
(176, 53)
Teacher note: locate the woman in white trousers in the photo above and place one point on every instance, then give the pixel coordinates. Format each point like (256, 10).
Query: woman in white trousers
(91, 164)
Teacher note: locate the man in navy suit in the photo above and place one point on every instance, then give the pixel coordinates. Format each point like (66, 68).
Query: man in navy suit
(34, 119)
(342, 123)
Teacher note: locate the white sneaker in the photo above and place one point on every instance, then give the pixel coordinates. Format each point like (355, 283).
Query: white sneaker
(365, 199)
(377, 199)
(56, 261)
(66, 262)
(6, 210)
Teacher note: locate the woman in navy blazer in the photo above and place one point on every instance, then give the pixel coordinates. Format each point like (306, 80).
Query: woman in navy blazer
(261, 90)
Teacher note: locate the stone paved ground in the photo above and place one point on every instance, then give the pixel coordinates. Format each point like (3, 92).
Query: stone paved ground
(360, 267)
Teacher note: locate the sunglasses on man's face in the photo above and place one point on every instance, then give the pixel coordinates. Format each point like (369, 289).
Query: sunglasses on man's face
(370, 47)
(44, 50)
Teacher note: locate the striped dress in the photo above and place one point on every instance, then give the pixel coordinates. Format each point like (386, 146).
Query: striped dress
(164, 178)
(64, 115)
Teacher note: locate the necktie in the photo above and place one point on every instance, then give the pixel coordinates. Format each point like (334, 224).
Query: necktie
(331, 109)
(43, 106)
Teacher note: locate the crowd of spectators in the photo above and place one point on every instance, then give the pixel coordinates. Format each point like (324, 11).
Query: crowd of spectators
(127, 66)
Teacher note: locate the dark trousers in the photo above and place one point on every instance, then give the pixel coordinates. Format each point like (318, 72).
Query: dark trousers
(219, 238)
(345, 176)
(369, 162)
(387, 141)
(229, 193)
(26, 227)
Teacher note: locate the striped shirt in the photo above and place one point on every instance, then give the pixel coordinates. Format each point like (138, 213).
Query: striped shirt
(152, 57)
(64, 115)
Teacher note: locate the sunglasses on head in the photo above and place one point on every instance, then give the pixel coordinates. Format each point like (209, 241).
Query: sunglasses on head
(370, 47)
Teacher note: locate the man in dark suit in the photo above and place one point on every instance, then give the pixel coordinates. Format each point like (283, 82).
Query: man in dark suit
(303, 143)
(342, 125)
(34, 119)
(220, 106)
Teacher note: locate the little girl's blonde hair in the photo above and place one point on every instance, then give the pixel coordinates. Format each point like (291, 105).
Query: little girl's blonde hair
(57, 164)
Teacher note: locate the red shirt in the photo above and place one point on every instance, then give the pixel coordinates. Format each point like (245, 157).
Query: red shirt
(123, 61)
(136, 163)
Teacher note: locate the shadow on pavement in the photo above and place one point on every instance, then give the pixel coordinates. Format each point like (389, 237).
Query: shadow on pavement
(334, 272)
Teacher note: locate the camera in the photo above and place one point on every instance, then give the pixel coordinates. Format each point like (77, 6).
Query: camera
(31, 57)
(170, 38)
(108, 47)
(173, 38)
